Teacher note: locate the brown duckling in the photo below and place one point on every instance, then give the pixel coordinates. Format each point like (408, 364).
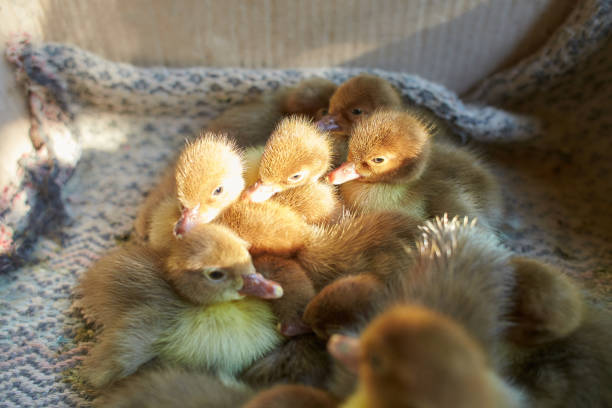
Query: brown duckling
(171, 387)
(300, 359)
(297, 291)
(292, 396)
(206, 178)
(293, 161)
(414, 357)
(393, 164)
(570, 371)
(252, 123)
(355, 99)
(546, 304)
(199, 306)
(374, 243)
(457, 269)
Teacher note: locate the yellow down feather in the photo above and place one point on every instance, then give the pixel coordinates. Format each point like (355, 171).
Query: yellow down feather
(224, 338)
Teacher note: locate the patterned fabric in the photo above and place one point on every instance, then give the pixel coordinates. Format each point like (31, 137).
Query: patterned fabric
(105, 131)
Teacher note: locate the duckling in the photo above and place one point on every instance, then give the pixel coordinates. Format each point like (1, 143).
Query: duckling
(570, 371)
(297, 291)
(393, 164)
(457, 268)
(299, 360)
(252, 123)
(411, 356)
(269, 227)
(358, 243)
(206, 178)
(294, 159)
(546, 304)
(344, 304)
(198, 306)
(172, 387)
(292, 396)
(355, 99)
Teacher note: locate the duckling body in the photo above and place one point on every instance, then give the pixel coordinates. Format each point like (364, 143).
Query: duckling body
(224, 337)
(196, 304)
(269, 227)
(171, 387)
(393, 164)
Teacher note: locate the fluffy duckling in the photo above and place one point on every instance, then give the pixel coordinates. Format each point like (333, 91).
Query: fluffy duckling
(457, 269)
(294, 159)
(206, 178)
(292, 396)
(572, 371)
(344, 304)
(199, 306)
(358, 243)
(355, 99)
(393, 164)
(546, 304)
(297, 291)
(300, 360)
(413, 357)
(172, 387)
(253, 122)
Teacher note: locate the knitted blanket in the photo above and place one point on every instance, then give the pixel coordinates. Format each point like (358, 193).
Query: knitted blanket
(105, 130)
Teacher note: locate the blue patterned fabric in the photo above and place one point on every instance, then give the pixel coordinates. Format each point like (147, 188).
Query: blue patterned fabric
(106, 130)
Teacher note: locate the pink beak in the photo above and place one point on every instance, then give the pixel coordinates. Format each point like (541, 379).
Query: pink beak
(345, 349)
(328, 123)
(187, 221)
(260, 192)
(344, 173)
(254, 284)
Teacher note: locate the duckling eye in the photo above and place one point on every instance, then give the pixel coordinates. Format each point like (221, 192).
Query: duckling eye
(323, 112)
(356, 111)
(296, 177)
(378, 160)
(218, 191)
(215, 275)
(375, 362)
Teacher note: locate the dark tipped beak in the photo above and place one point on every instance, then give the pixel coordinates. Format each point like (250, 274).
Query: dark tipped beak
(294, 328)
(260, 192)
(345, 349)
(346, 172)
(186, 222)
(328, 123)
(254, 284)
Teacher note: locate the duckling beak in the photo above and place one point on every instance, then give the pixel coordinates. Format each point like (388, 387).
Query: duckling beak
(260, 192)
(328, 124)
(187, 221)
(346, 172)
(254, 284)
(294, 328)
(346, 350)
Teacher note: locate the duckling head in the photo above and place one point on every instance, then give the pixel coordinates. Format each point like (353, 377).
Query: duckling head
(296, 153)
(413, 357)
(208, 179)
(310, 97)
(386, 146)
(355, 99)
(212, 264)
